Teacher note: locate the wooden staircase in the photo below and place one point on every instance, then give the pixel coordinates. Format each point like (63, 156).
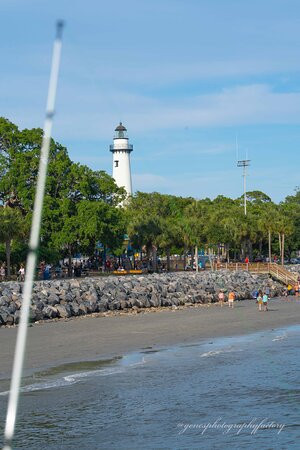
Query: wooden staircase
(278, 272)
(283, 275)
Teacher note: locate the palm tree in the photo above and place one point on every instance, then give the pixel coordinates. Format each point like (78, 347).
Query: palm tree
(267, 223)
(284, 227)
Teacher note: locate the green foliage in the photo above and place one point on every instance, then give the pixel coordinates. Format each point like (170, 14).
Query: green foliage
(290, 209)
(12, 227)
(80, 205)
(167, 222)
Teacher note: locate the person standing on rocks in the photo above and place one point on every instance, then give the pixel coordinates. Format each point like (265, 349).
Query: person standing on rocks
(221, 298)
(231, 298)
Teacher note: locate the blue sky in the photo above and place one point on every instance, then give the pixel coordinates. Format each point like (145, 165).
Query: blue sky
(184, 76)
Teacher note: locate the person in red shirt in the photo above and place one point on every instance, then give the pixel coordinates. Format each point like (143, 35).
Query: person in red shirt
(247, 260)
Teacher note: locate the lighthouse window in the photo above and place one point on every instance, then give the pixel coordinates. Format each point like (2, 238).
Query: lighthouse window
(116, 163)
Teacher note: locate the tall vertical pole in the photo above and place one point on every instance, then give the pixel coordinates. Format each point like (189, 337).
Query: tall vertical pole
(244, 164)
(245, 197)
(33, 246)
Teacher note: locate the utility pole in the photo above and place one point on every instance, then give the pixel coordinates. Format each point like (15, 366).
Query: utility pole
(244, 163)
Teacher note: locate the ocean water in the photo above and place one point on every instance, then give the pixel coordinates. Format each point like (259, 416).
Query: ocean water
(235, 392)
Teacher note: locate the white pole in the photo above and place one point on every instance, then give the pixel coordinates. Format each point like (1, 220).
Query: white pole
(245, 195)
(196, 258)
(33, 246)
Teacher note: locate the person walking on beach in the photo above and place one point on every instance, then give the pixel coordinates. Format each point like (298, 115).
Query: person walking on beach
(231, 298)
(259, 301)
(265, 302)
(221, 298)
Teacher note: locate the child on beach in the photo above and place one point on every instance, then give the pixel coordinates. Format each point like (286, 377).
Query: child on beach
(265, 302)
(259, 301)
(221, 298)
(231, 298)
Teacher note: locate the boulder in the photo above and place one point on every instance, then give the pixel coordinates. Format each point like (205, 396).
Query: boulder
(63, 311)
(53, 299)
(49, 312)
(4, 314)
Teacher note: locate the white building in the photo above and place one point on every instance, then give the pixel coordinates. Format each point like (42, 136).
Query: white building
(121, 150)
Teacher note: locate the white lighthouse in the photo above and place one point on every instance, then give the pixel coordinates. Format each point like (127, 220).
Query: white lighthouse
(121, 150)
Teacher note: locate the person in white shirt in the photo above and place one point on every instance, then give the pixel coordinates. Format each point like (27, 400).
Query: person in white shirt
(22, 273)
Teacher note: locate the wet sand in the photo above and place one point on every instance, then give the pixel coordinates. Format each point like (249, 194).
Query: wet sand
(92, 338)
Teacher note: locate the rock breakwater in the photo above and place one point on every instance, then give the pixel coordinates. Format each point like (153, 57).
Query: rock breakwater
(293, 268)
(74, 297)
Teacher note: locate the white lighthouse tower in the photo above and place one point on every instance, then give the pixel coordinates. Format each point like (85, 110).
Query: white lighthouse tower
(121, 150)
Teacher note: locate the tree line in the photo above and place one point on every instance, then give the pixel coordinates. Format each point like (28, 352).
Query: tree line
(81, 209)
(172, 225)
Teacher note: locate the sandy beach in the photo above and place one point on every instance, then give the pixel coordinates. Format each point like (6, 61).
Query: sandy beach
(91, 338)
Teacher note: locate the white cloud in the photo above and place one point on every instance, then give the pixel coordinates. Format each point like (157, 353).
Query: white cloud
(241, 105)
(92, 115)
(165, 73)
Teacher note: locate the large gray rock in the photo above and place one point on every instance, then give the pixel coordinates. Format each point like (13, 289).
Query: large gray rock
(53, 299)
(50, 312)
(4, 300)
(4, 317)
(63, 311)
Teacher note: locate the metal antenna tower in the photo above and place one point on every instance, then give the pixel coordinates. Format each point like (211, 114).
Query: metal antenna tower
(244, 163)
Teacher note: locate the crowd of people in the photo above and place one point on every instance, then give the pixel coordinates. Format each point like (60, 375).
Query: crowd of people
(20, 274)
(83, 267)
(262, 299)
(262, 296)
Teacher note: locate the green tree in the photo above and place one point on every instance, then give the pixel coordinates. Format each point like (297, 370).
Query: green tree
(291, 206)
(67, 186)
(12, 226)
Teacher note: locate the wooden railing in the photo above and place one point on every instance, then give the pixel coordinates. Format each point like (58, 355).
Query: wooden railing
(282, 274)
(276, 271)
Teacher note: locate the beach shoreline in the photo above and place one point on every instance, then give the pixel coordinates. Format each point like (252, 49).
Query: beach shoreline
(97, 337)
